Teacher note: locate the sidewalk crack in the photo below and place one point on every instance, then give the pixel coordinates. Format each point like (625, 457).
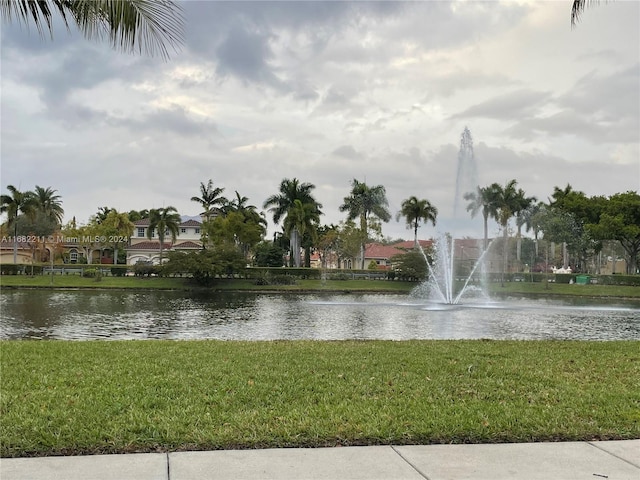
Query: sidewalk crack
(593, 444)
(421, 473)
(168, 467)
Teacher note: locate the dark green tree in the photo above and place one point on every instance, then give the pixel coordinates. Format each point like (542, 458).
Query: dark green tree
(482, 200)
(163, 221)
(268, 254)
(366, 203)
(16, 204)
(620, 220)
(283, 204)
(210, 199)
(415, 211)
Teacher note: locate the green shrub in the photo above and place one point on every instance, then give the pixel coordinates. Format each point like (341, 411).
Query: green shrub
(90, 272)
(618, 279)
(119, 271)
(145, 269)
(10, 269)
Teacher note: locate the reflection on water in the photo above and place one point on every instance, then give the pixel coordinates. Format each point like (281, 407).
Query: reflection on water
(77, 315)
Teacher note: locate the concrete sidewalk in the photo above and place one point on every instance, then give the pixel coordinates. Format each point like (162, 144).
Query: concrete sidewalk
(615, 460)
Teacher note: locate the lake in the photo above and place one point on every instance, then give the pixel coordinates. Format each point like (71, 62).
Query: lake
(116, 315)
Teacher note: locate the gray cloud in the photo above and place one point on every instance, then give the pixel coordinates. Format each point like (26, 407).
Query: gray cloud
(507, 106)
(328, 92)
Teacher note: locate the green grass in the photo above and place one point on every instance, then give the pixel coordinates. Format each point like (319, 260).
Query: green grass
(98, 397)
(540, 289)
(524, 288)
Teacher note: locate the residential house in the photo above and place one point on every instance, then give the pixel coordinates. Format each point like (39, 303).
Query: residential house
(141, 249)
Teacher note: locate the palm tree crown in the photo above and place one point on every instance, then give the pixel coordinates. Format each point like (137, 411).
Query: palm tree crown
(164, 221)
(14, 205)
(364, 202)
(143, 26)
(482, 200)
(211, 199)
(283, 204)
(414, 211)
(49, 203)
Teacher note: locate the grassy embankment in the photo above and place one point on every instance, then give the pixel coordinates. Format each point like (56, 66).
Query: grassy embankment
(526, 288)
(97, 397)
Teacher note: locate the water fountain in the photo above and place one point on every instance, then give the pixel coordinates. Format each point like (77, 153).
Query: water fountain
(442, 273)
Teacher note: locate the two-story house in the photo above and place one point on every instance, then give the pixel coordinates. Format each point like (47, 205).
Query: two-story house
(143, 249)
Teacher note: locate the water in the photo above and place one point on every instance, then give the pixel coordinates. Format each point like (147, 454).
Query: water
(83, 315)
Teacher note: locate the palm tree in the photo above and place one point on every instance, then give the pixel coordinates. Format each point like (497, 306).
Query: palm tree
(49, 203)
(304, 219)
(249, 212)
(164, 221)
(363, 203)
(414, 210)
(577, 8)
(506, 201)
(481, 200)
(209, 198)
(280, 206)
(14, 205)
(526, 209)
(143, 26)
(117, 226)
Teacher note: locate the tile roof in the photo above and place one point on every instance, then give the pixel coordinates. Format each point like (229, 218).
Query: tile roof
(189, 223)
(149, 246)
(375, 250)
(187, 244)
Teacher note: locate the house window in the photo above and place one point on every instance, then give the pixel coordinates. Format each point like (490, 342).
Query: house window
(197, 230)
(140, 231)
(73, 256)
(183, 230)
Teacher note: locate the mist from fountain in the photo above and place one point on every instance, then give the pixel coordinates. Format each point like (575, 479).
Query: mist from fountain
(442, 278)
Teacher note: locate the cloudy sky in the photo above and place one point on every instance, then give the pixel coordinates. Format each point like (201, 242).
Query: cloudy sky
(327, 92)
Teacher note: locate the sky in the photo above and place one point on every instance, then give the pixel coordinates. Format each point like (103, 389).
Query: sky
(328, 92)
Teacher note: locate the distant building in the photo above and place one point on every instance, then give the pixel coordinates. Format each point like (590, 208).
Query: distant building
(141, 249)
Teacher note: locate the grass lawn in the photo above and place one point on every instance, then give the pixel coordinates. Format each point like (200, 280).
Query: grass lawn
(363, 285)
(128, 396)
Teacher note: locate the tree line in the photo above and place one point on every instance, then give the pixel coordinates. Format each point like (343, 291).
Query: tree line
(579, 223)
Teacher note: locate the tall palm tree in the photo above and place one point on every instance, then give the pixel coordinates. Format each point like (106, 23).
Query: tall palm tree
(143, 26)
(507, 201)
(249, 212)
(14, 205)
(49, 203)
(164, 221)
(281, 204)
(117, 226)
(304, 219)
(414, 211)
(526, 209)
(481, 200)
(210, 199)
(365, 202)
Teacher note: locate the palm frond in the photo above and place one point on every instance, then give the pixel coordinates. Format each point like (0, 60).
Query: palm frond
(143, 26)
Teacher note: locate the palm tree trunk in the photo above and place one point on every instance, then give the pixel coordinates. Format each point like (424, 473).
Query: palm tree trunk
(504, 254)
(295, 248)
(15, 244)
(485, 240)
